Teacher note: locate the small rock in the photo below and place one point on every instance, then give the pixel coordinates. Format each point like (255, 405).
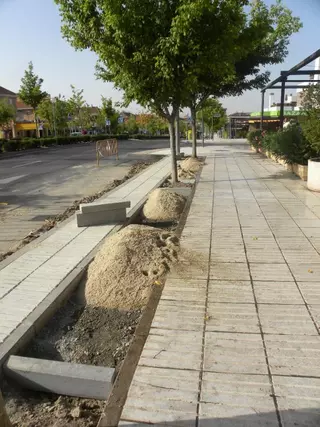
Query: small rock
(76, 412)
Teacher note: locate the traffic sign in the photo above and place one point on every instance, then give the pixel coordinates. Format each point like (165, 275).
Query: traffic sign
(120, 119)
(108, 122)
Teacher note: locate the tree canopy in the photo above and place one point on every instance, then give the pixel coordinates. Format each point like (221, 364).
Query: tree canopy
(311, 105)
(7, 114)
(166, 55)
(55, 112)
(214, 115)
(30, 90)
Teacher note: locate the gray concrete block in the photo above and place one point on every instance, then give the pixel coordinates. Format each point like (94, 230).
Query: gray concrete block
(98, 207)
(101, 218)
(91, 382)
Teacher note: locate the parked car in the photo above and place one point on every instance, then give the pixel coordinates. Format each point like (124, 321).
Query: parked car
(76, 134)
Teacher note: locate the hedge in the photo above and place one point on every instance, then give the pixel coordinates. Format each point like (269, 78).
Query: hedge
(289, 144)
(28, 143)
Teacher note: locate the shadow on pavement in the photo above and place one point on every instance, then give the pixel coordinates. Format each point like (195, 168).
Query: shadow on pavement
(309, 417)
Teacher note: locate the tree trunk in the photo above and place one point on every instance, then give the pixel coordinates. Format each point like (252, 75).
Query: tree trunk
(173, 152)
(202, 120)
(194, 131)
(177, 133)
(37, 127)
(4, 419)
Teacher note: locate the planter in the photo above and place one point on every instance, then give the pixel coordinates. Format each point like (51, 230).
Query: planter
(314, 174)
(301, 171)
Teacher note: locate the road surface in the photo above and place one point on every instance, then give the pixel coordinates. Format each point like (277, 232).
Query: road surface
(42, 183)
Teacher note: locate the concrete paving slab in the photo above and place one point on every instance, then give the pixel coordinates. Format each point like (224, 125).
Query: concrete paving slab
(257, 209)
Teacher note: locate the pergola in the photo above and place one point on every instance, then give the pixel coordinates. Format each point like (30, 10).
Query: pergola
(283, 79)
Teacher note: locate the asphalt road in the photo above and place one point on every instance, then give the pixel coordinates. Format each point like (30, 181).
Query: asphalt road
(41, 183)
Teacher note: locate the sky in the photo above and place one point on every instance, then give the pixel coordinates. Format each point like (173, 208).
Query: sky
(30, 31)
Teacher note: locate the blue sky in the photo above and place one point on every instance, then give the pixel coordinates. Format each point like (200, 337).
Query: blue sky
(30, 31)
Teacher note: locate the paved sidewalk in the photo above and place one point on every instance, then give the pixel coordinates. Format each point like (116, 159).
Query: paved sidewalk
(30, 279)
(237, 342)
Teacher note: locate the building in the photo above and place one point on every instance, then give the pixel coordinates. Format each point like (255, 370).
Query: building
(293, 105)
(10, 97)
(238, 124)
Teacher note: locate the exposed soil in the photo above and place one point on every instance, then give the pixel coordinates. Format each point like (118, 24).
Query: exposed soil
(127, 266)
(76, 334)
(52, 222)
(163, 205)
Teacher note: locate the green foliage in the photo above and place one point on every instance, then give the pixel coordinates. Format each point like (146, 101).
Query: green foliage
(210, 109)
(107, 111)
(255, 138)
(7, 114)
(170, 54)
(311, 124)
(55, 113)
(30, 90)
(266, 38)
(289, 145)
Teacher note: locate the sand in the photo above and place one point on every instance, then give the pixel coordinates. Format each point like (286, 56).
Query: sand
(163, 205)
(191, 164)
(127, 266)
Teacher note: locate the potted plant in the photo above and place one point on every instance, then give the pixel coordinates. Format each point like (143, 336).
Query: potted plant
(311, 130)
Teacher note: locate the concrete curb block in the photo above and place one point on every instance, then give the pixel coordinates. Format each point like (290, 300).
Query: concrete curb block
(68, 379)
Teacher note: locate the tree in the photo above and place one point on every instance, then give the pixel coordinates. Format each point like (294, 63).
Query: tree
(55, 113)
(165, 55)
(30, 91)
(150, 123)
(4, 419)
(7, 115)
(262, 39)
(311, 124)
(76, 105)
(214, 115)
(108, 112)
(131, 125)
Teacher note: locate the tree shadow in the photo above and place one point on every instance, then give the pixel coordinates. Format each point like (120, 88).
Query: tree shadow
(305, 417)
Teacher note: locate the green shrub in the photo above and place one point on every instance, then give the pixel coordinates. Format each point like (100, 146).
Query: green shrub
(143, 136)
(255, 138)
(311, 129)
(290, 145)
(10, 145)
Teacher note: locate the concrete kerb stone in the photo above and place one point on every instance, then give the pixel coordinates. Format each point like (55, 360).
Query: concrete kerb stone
(98, 207)
(69, 379)
(36, 320)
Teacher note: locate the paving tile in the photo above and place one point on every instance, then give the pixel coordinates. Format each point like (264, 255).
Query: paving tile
(230, 291)
(315, 311)
(308, 272)
(229, 271)
(301, 256)
(296, 355)
(234, 353)
(286, 319)
(265, 255)
(236, 400)
(270, 272)
(226, 317)
(165, 352)
(277, 293)
(298, 400)
(310, 292)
